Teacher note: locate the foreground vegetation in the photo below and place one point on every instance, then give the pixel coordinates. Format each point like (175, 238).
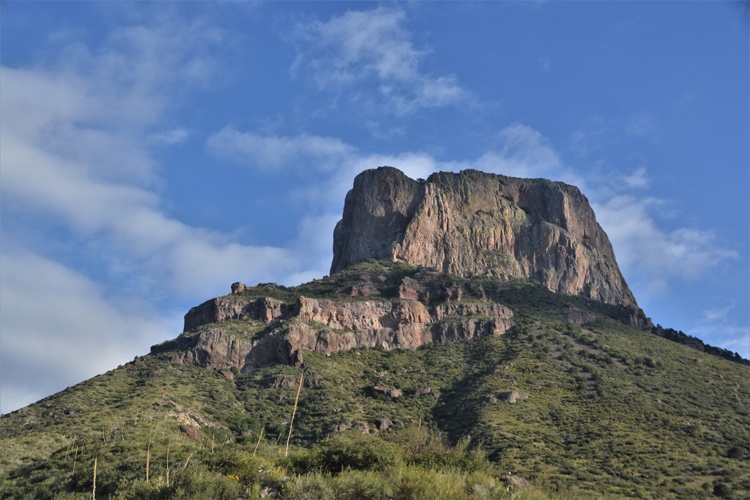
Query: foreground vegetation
(612, 412)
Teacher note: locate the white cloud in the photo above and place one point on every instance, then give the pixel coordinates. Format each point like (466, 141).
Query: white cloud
(545, 63)
(75, 157)
(169, 137)
(654, 256)
(716, 328)
(59, 328)
(637, 179)
(273, 152)
(372, 48)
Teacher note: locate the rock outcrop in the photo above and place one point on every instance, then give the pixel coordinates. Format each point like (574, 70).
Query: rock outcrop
(221, 309)
(324, 326)
(474, 223)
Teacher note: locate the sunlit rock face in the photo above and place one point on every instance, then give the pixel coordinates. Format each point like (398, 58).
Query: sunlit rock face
(474, 223)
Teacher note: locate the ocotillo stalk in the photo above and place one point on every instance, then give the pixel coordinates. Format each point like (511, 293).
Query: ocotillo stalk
(74, 462)
(148, 450)
(291, 422)
(93, 492)
(259, 438)
(168, 445)
(186, 461)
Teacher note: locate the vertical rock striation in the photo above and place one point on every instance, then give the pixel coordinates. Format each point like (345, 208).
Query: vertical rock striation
(474, 223)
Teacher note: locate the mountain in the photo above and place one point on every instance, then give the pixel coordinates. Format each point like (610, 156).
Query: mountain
(478, 224)
(409, 378)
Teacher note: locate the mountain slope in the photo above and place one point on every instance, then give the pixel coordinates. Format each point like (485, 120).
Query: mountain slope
(496, 342)
(609, 408)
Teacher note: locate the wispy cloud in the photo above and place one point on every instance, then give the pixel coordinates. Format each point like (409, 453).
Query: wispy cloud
(169, 137)
(716, 328)
(641, 124)
(54, 318)
(77, 135)
(372, 50)
(654, 256)
(637, 179)
(274, 152)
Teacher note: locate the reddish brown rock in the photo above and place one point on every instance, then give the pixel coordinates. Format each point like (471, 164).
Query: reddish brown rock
(238, 288)
(409, 289)
(474, 223)
(191, 432)
(262, 309)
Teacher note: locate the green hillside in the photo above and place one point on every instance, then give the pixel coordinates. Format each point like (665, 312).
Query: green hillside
(610, 412)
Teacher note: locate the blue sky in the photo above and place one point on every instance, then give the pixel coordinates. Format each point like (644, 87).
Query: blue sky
(154, 153)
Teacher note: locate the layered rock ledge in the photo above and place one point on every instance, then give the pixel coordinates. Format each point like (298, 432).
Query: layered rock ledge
(324, 326)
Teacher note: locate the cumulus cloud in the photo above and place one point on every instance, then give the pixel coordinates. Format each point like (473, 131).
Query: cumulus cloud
(54, 318)
(89, 198)
(372, 49)
(652, 255)
(76, 159)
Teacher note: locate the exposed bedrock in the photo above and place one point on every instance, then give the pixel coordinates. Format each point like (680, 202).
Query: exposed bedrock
(324, 326)
(474, 223)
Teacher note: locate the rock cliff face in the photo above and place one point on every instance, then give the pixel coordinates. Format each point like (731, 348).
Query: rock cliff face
(324, 326)
(473, 223)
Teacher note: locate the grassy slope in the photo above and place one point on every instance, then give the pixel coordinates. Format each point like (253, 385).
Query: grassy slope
(611, 410)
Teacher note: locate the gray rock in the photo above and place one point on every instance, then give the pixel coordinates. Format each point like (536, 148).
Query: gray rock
(423, 391)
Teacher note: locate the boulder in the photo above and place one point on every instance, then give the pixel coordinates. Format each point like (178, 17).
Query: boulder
(516, 482)
(383, 423)
(423, 391)
(388, 391)
(361, 427)
(191, 432)
(511, 396)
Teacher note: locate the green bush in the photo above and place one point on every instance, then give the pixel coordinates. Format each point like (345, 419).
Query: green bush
(195, 482)
(353, 450)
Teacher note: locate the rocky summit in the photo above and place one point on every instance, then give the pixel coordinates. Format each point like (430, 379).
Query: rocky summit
(479, 224)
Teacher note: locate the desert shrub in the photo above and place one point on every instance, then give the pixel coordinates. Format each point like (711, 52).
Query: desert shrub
(195, 482)
(353, 450)
(458, 458)
(364, 486)
(416, 440)
(736, 452)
